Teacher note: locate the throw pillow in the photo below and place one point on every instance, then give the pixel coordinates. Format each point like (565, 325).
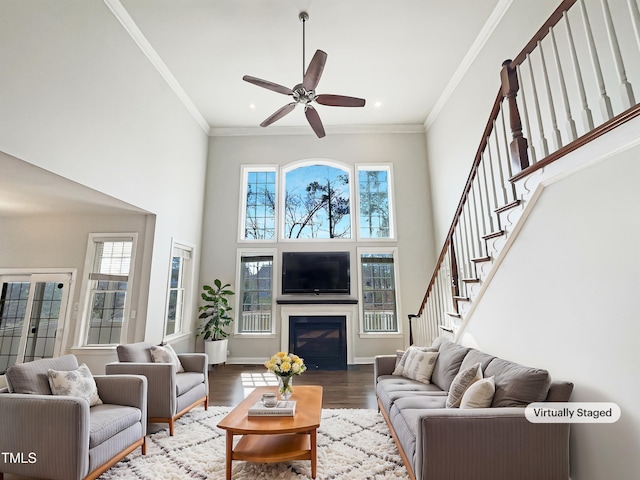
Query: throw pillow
(461, 382)
(420, 366)
(404, 356)
(479, 395)
(74, 383)
(166, 354)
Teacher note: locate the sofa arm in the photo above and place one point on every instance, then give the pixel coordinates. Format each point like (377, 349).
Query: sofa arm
(196, 362)
(32, 427)
(129, 390)
(161, 384)
(383, 365)
(489, 443)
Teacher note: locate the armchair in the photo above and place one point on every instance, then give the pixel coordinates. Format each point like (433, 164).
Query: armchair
(171, 394)
(62, 437)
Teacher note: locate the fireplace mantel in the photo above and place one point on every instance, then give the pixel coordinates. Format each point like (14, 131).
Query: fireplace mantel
(316, 300)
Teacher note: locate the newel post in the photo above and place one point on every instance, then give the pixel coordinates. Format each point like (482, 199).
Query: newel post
(510, 87)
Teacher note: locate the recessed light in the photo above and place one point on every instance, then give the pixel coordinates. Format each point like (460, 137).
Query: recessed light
(252, 106)
(377, 104)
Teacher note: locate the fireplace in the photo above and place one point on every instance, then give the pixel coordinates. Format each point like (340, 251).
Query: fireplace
(320, 340)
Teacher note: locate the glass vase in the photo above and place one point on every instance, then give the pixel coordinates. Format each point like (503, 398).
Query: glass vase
(285, 387)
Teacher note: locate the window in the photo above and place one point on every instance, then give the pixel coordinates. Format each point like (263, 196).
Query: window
(378, 283)
(317, 202)
(256, 294)
(373, 190)
(109, 286)
(259, 194)
(179, 288)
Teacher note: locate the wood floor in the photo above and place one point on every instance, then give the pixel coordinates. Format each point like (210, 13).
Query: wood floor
(352, 388)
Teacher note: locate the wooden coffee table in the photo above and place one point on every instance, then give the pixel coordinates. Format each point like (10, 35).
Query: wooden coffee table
(275, 439)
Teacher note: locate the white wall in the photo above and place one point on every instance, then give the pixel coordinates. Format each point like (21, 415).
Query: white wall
(564, 299)
(79, 98)
(413, 215)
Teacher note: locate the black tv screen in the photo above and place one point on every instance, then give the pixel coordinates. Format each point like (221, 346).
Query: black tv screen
(312, 272)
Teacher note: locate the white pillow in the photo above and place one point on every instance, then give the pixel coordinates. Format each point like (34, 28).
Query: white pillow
(166, 354)
(479, 395)
(74, 383)
(462, 381)
(399, 370)
(420, 366)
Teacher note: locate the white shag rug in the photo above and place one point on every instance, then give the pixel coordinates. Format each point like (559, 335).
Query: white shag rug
(353, 444)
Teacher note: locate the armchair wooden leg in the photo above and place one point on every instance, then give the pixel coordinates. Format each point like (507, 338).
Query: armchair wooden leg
(171, 427)
(144, 447)
(206, 406)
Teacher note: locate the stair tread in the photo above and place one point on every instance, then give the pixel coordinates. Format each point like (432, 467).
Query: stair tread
(495, 234)
(453, 314)
(481, 259)
(508, 206)
(471, 280)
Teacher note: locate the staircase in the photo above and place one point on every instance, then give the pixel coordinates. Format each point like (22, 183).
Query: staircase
(572, 84)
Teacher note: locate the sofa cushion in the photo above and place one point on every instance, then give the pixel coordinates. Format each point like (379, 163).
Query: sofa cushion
(420, 366)
(474, 356)
(135, 352)
(166, 354)
(105, 421)
(74, 383)
(187, 380)
(448, 364)
(463, 380)
(517, 385)
(31, 377)
(479, 395)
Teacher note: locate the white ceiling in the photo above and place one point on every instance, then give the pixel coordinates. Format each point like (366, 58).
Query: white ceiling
(404, 54)
(400, 53)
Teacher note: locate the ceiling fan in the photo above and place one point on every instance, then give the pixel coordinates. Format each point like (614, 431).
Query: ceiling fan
(304, 93)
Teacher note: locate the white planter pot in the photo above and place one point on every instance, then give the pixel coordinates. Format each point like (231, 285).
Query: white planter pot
(216, 350)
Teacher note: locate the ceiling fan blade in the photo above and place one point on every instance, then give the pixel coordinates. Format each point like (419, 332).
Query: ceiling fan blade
(314, 70)
(314, 120)
(269, 85)
(278, 114)
(340, 101)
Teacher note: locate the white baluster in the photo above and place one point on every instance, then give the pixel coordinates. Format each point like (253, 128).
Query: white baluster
(474, 204)
(605, 102)
(587, 118)
(506, 149)
(487, 190)
(498, 159)
(525, 114)
(555, 137)
(544, 146)
(626, 90)
(571, 125)
(635, 19)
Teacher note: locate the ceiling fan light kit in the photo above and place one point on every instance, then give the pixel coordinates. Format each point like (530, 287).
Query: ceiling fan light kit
(305, 93)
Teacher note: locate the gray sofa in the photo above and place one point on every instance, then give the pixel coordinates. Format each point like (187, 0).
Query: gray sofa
(494, 443)
(171, 393)
(61, 437)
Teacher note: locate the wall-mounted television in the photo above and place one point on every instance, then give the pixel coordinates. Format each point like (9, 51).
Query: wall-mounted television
(316, 272)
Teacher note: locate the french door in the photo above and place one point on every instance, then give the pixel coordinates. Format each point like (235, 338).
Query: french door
(32, 316)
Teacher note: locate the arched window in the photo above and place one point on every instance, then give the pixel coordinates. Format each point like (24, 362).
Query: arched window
(317, 201)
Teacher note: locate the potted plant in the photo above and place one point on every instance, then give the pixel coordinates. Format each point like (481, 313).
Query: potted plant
(215, 318)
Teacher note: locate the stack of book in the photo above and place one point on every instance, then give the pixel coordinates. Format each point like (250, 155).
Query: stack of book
(284, 408)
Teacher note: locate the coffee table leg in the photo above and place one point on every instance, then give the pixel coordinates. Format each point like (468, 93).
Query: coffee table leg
(229, 456)
(314, 456)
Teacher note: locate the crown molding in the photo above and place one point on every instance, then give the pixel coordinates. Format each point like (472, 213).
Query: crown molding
(306, 130)
(488, 28)
(136, 34)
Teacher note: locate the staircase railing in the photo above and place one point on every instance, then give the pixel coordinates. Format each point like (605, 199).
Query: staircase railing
(578, 65)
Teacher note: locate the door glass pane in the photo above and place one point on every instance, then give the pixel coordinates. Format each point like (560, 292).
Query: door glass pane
(45, 313)
(13, 307)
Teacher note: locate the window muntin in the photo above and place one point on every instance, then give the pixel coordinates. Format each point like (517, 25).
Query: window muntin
(379, 309)
(317, 202)
(374, 202)
(256, 294)
(179, 284)
(108, 290)
(259, 204)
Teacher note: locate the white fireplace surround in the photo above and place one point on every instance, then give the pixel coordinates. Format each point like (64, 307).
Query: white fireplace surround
(313, 310)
